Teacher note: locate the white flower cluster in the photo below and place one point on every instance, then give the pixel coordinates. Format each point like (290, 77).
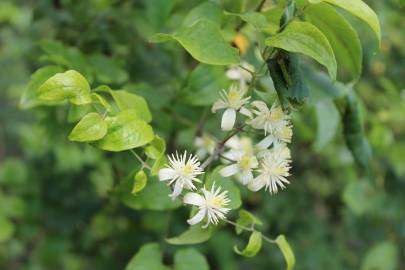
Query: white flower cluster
(180, 173)
(264, 165)
(267, 164)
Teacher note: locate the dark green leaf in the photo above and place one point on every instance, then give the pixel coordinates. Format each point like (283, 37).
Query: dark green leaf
(147, 258)
(194, 235)
(382, 256)
(328, 120)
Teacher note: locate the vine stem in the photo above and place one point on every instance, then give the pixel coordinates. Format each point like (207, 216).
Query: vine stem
(251, 229)
(143, 163)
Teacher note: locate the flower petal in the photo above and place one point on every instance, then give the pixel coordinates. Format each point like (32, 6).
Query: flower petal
(246, 112)
(246, 177)
(229, 170)
(193, 199)
(219, 104)
(166, 174)
(178, 188)
(228, 119)
(257, 183)
(197, 218)
(266, 142)
(261, 106)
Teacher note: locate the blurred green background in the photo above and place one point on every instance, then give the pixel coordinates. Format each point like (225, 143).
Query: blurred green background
(57, 204)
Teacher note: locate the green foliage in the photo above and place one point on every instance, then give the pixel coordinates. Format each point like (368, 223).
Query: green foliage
(286, 250)
(190, 258)
(125, 131)
(148, 257)
(69, 85)
(204, 41)
(305, 38)
(360, 9)
(90, 128)
(246, 219)
(381, 256)
(128, 101)
(253, 247)
(140, 180)
(194, 235)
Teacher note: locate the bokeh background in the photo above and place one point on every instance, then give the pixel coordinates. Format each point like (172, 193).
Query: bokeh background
(58, 203)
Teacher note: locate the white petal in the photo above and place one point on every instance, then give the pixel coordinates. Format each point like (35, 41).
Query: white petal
(178, 188)
(266, 142)
(229, 170)
(166, 174)
(219, 104)
(194, 199)
(234, 74)
(246, 177)
(261, 106)
(197, 218)
(257, 183)
(228, 119)
(246, 112)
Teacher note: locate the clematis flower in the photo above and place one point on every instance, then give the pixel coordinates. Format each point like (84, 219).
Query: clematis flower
(181, 172)
(273, 173)
(205, 144)
(268, 119)
(232, 101)
(282, 133)
(243, 168)
(240, 74)
(212, 204)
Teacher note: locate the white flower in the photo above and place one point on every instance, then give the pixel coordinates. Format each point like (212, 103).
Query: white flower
(205, 144)
(232, 101)
(240, 74)
(182, 172)
(237, 146)
(212, 204)
(273, 172)
(268, 119)
(245, 163)
(282, 133)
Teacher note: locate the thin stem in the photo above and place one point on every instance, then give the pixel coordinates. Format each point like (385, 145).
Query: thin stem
(143, 163)
(226, 158)
(251, 229)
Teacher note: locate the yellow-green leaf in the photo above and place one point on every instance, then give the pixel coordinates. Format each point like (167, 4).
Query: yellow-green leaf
(69, 85)
(156, 148)
(286, 250)
(91, 128)
(253, 247)
(125, 131)
(129, 101)
(140, 180)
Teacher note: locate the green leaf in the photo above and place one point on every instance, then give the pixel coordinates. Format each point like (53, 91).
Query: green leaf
(125, 131)
(206, 10)
(286, 250)
(353, 131)
(155, 196)
(129, 101)
(256, 19)
(158, 164)
(204, 41)
(108, 70)
(193, 235)
(6, 229)
(360, 9)
(204, 85)
(328, 120)
(140, 180)
(69, 85)
(305, 38)
(190, 258)
(226, 184)
(382, 256)
(148, 257)
(253, 247)
(156, 148)
(341, 35)
(102, 101)
(91, 128)
(246, 219)
(30, 97)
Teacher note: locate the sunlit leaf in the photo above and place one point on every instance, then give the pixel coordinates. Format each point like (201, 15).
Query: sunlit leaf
(140, 180)
(253, 247)
(91, 128)
(285, 248)
(129, 101)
